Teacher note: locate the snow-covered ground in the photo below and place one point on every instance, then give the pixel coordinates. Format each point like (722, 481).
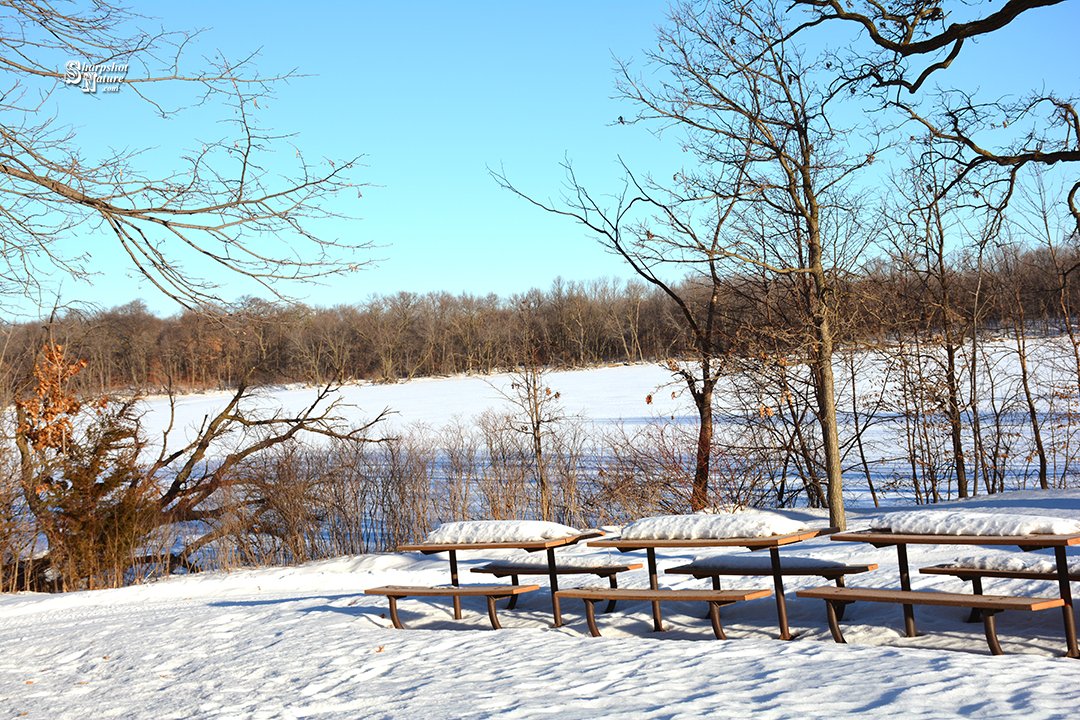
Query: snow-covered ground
(305, 642)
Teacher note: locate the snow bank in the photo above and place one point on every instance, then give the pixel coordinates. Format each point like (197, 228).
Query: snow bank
(747, 523)
(494, 531)
(962, 522)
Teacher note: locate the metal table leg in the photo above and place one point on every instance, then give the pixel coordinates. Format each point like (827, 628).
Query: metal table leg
(654, 583)
(455, 583)
(905, 584)
(1066, 595)
(553, 578)
(778, 585)
(976, 589)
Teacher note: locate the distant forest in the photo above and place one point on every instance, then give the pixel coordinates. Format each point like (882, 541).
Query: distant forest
(571, 324)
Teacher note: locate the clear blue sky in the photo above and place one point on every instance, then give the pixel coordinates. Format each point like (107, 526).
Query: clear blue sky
(434, 93)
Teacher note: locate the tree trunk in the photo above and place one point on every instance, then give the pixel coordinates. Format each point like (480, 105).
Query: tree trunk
(699, 495)
(954, 418)
(1029, 398)
(826, 399)
(825, 388)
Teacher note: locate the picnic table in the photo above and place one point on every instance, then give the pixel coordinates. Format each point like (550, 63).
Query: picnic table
(907, 597)
(772, 543)
(532, 546)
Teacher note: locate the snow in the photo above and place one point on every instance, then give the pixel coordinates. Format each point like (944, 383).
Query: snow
(965, 522)
(498, 531)
(745, 523)
(601, 395)
(1010, 563)
(304, 642)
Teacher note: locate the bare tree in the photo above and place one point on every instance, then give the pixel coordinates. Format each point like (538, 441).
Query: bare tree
(907, 37)
(227, 203)
(768, 192)
(924, 228)
(987, 143)
(536, 407)
(655, 230)
(83, 478)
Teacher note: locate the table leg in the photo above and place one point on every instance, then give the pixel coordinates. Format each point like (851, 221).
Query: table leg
(1066, 595)
(976, 589)
(840, 607)
(654, 583)
(455, 583)
(393, 613)
(715, 586)
(513, 598)
(778, 585)
(590, 618)
(714, 618)
(833, 615)
(991, 632)
(553, 578)
(491, 613)
(614, 583)
(905, 584)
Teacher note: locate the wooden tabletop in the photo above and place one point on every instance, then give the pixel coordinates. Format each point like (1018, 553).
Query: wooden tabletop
(530, 545)
(885, 537)
(753, 543)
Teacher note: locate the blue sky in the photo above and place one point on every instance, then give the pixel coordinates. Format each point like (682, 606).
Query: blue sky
(435, 93)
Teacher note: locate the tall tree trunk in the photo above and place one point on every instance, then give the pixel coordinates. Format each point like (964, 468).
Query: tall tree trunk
(953, 387)
(826, 399)
(977, 448)
(825, 391)
(859, 430)
(1029, 397)
(699, 495)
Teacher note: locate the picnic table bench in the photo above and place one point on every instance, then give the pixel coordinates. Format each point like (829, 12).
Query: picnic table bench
(758, 566)
(715, 598)
(974, 575)
(885, 537)
(988, 605)
(491, 592)
(514, 570)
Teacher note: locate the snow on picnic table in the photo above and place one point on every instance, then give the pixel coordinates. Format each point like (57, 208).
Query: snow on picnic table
(710, 526)
(306, 643)
(967, 522)
(498, 531)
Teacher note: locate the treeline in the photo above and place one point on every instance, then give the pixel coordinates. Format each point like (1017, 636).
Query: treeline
(383, 339)
(571, 324)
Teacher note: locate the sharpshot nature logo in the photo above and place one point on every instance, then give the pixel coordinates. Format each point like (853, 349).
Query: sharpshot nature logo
(91, 77)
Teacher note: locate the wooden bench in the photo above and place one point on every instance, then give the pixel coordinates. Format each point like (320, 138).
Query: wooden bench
(491, 592)
(741, 565)
(975, 575)
(989, 605)
(715, 598)
(514, 570)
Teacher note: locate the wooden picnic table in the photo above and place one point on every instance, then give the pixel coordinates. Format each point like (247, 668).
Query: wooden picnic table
(885, 538)
(547, 546)
(772, 543)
